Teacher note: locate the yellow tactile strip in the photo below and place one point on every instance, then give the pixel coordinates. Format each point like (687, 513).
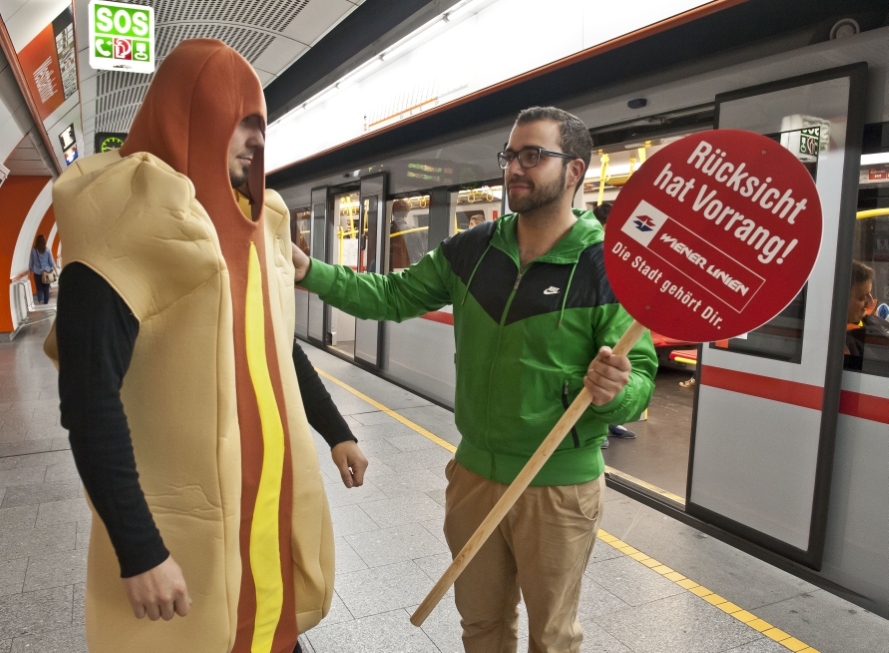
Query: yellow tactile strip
(391, 413)
(767, 629)
(725, 605)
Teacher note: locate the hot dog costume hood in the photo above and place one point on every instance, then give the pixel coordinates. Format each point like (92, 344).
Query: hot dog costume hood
(222, 446)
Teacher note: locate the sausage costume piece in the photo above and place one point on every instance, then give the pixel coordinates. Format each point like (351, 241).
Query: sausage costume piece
(222, 446)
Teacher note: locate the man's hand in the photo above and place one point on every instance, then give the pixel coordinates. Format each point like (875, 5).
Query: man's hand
(606, 376)
(350, 461)
(301, 262)
(159, 593)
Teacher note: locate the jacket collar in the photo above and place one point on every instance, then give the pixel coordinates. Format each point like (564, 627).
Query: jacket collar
(585, 232)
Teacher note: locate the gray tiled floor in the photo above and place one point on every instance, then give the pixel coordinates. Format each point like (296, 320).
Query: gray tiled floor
(389, 544)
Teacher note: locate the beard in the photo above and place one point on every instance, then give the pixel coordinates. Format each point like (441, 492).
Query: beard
(538, 196)
(239, 179)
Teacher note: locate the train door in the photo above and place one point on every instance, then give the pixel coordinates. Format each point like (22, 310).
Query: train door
(317, 247)
(345, 237)
(372, 206)
(766, 408)
(649, 455)
(300, 236)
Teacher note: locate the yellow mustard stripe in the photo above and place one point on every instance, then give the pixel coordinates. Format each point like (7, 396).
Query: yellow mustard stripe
(391, 413)
(725, 605)
(265, 552)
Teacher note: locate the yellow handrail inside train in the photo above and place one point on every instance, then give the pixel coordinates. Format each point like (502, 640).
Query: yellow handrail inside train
(602, 174)
(872, 213)
(408, 231)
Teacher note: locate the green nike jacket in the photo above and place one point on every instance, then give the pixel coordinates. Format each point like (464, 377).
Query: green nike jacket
(524, 339)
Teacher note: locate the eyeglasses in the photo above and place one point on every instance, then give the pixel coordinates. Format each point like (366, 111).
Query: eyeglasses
(528, 157)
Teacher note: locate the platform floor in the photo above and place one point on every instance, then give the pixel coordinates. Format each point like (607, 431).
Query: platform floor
(390, 547)
(659, 452)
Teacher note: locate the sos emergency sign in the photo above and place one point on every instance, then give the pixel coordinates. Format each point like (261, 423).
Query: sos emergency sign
(121, 37)
(713, 236)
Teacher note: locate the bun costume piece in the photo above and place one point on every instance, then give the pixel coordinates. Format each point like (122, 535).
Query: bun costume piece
(222, 446)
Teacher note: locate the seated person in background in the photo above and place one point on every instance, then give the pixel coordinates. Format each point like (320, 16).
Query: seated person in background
(862, 327)
(478, 218)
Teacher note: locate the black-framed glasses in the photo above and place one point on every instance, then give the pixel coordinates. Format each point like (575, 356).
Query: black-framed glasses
(529, 157)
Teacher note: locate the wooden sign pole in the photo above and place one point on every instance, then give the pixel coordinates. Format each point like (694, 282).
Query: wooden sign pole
(521, 482)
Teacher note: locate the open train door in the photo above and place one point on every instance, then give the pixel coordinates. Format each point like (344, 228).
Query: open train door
(766, 408)
(370, 259)
(318, 250)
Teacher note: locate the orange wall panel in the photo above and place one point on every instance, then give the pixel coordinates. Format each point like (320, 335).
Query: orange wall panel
(17, 195)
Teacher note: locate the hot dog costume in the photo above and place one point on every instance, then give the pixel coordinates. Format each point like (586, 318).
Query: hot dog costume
(222, 446)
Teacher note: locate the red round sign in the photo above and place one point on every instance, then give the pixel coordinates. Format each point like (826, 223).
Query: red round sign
(713, 236)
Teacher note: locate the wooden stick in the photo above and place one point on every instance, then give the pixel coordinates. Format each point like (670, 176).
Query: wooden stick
(521, 482)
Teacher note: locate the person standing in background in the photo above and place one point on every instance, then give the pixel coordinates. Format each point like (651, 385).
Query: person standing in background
(41, 261)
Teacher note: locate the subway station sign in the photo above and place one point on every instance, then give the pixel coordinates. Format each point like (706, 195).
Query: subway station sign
(121, 37)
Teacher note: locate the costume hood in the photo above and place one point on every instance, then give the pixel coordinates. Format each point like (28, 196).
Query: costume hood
(199, 94)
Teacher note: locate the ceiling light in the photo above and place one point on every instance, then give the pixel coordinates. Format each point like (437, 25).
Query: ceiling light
(415, 40)
(359, 73)
(613, 171)
(465, 9)
(874, 159)
(327, 93)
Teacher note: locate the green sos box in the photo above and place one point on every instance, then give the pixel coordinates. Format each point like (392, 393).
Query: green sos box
(121, 37)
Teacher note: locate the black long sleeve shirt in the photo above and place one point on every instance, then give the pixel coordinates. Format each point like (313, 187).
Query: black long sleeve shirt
(96, 333)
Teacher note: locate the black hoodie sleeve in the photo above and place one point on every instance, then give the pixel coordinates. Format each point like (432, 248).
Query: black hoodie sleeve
(321, 412)
(96, 333)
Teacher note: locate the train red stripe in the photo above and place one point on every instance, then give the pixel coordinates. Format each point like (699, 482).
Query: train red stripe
(787, 392)
(855, 404)
(439, 316)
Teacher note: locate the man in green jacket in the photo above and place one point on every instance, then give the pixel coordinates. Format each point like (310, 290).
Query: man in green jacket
(532, 308)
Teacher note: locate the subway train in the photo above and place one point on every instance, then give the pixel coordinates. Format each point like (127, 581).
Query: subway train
(776, 441)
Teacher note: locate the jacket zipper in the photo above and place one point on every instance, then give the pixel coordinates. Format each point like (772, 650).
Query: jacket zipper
(515, 287)
(565, 404)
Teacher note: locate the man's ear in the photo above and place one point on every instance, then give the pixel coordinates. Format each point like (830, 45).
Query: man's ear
(576, 171)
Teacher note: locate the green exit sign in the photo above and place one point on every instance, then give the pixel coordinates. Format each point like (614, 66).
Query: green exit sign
(121, 37)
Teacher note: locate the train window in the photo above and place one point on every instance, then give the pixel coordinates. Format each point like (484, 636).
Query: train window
(867, 322)
(473, 205)
(781, 338)
(408, 231)
(317, 244)
(346, 218)
(300, 227)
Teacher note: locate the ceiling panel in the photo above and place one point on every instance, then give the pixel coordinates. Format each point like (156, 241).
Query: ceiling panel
(26, 160)
(279, 55)
(262, 31)
(316, 19)
(25, 20)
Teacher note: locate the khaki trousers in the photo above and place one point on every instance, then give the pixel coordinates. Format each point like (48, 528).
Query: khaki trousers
(540, 549)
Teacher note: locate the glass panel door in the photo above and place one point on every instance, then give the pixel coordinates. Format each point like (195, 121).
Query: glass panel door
(300, 235)
(766, 410)
(317, 245)
(372, 204)
(345, 219)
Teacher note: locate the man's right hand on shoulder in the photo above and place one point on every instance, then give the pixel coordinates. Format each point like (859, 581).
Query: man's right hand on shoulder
(301, 263)
(159, 593)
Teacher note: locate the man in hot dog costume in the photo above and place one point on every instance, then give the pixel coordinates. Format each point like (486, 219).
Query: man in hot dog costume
(173, 338)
